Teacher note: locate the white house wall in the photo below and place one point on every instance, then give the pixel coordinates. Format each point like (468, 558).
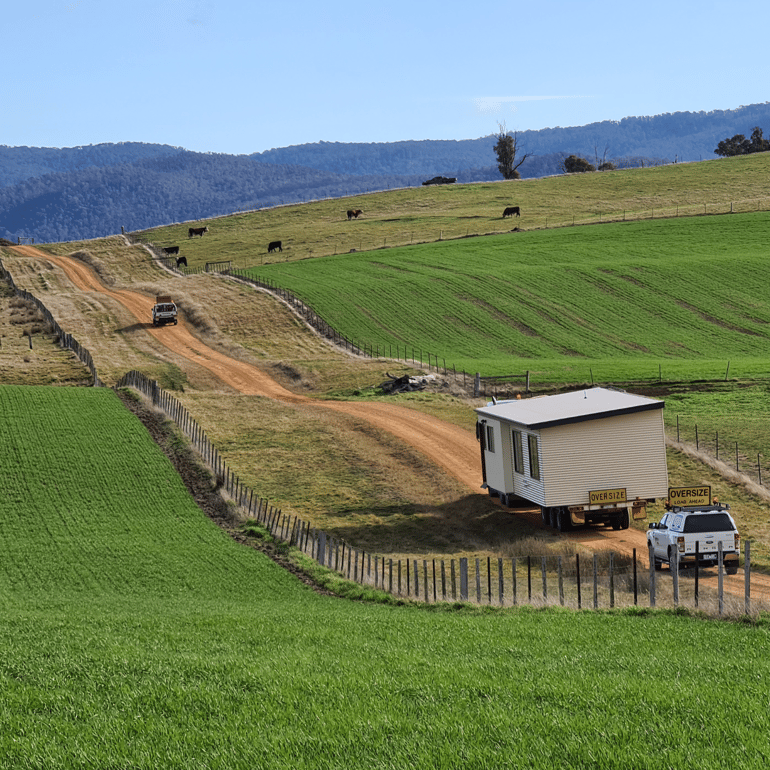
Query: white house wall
(616, 452)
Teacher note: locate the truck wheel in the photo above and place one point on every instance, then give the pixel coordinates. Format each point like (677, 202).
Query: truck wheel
(658, 564)
(730, 570)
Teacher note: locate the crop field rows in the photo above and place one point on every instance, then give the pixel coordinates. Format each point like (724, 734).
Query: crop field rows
(521, 301)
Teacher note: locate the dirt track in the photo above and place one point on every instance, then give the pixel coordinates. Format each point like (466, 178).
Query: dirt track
(448, 446)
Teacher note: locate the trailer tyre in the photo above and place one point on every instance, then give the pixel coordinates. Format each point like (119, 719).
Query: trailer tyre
(563, 520)
(545, 516)
(624, 520)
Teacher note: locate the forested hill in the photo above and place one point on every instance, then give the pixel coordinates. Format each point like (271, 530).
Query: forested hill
(679, 136)
(98, 200)
(73, 193)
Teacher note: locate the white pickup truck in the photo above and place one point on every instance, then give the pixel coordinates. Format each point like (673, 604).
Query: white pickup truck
(164, 311)
(675, 537)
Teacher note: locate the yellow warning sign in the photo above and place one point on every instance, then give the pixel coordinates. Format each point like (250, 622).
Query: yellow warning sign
(605, 496)
(689, 495)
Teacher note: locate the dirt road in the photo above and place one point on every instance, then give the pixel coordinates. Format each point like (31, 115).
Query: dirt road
(448, 446)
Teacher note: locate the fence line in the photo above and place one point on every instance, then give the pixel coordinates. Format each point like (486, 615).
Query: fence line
(727, 451)
(65, 339)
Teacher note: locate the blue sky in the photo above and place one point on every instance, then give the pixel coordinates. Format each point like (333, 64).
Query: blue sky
(243, 76)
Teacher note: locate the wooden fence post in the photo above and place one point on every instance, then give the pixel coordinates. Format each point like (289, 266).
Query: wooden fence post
(747, 575)
(652, 576)
(464, 579)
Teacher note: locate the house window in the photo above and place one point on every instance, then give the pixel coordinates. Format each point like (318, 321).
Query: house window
(534, 460)
(518, 454)
(490, 439)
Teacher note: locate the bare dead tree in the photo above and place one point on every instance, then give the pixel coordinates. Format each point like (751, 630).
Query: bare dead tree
(506, 150)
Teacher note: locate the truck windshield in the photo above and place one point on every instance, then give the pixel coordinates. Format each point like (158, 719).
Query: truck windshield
(708, 522)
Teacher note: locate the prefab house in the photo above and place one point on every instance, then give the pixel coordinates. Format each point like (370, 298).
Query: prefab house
(593, 455)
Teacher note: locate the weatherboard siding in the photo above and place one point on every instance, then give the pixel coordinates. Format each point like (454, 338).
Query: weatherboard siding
(626, 451)
(617, 452)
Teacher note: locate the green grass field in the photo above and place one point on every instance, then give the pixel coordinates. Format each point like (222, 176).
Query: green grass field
(135, 634)
(426, 214)
(565, 304)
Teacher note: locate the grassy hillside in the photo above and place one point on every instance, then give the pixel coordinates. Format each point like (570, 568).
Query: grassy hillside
(135, 634)
(676, 297)
(424, 214)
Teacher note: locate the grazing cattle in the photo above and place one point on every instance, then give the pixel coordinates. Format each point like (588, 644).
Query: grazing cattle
(181, 261)
(171, 250)
(512, 211)
(273, 246)
(197, 231)
(354, 213)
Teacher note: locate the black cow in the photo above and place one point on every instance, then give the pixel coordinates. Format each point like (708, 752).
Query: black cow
(171, 250)
(181, 261)
(512, 211)
(273, 246)
(197, 231)
(354, 213)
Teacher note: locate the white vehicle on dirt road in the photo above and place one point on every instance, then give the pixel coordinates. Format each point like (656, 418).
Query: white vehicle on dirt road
(688, 534)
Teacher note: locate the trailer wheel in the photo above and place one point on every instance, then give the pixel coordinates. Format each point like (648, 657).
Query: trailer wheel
(624, 520)
(563, 520)
(545, 516)
(554, 517)
(504, 499)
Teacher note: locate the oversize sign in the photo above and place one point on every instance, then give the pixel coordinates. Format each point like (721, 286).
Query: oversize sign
(605, 496)
(689, 495)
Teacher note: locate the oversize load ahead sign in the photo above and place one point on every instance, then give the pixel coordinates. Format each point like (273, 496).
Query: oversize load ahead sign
(604, 496)
(689, 495)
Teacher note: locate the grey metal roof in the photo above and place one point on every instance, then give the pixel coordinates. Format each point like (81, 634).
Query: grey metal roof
(577, 406)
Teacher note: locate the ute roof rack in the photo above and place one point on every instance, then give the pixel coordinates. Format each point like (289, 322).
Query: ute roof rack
(715, 506)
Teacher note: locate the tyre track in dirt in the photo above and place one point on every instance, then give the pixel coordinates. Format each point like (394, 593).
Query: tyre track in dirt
(448, 446)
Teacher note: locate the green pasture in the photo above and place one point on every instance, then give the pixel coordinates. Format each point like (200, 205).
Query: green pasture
(674, 299)
(135, 633)
(414, 215)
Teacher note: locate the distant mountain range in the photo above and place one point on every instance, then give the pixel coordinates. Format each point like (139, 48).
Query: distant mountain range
(76, 193)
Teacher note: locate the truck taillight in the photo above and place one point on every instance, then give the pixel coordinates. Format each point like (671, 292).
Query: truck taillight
(680, 543)
(737, 542)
